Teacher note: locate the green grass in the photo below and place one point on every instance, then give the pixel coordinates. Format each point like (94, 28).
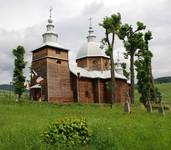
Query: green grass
(165, 89)
(21, 125)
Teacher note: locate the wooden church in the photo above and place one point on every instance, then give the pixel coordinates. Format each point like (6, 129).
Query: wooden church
(86, 81)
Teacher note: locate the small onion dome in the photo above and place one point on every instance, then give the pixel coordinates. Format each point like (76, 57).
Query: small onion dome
(50, 20)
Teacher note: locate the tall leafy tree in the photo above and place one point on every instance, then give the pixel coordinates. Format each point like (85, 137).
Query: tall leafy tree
(144, 72)
(143, 75)
(18, 76)
(111, 26)
(147, 38)
(133, 40)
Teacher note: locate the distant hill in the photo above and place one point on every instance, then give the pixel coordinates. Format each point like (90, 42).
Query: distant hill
(163, 80)
(6, 87)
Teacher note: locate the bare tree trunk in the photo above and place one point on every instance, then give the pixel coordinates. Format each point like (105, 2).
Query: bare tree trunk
(113, 82)
(19, 96)
(152, 83)
(132, 78)
(16, 98)
(30, 94)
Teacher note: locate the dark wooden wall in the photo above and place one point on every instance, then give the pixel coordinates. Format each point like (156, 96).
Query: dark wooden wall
(96, 91)
(94, 63)
(52, 64)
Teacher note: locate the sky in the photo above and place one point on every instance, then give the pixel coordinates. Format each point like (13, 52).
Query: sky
(24, 21)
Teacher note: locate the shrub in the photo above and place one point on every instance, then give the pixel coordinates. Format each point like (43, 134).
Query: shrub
(69, 132)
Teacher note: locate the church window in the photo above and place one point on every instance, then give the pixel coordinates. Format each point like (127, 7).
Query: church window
(58, 52)
(106, 64)
(94, 64)
(58, 61)
(87, 94)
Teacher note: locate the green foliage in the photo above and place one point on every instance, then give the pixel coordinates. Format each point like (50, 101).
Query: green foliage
(140, 26)
(144, 73)
(133, 41)
(159, 95)
(69, 132)
(148, 36)
(124, 31)
(125, 72)
(143, 77)
(109, 51)
(111, 25)
(18, 77)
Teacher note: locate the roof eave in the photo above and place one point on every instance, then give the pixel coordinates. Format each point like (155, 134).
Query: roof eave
(97, 77)
(38, 49)
(91, 56)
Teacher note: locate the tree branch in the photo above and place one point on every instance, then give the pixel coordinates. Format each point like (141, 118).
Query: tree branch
(107, 37)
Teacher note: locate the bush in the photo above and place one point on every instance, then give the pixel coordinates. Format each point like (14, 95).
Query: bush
(69, 132)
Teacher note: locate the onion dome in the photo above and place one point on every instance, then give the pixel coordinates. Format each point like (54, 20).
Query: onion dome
(91, 48)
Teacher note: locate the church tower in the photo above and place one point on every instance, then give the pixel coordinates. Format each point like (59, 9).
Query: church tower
(50, 61)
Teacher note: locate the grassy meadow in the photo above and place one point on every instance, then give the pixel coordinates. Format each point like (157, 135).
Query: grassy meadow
(22, 123)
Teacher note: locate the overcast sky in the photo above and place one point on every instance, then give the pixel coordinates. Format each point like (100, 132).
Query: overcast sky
(24, 21)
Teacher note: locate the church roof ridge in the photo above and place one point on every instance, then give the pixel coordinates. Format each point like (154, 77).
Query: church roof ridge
(93, 74)
(91, 49)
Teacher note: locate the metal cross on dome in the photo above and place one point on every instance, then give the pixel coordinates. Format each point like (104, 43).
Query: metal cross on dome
(90, 19)
(50, 10)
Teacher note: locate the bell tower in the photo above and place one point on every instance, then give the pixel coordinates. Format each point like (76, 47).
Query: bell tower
(50, 61)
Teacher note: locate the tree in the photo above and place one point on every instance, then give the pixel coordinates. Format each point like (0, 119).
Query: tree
(147, 38)
(111, 26)
(144, 72)
(143, 75)
(133, 40)
(18, 76)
